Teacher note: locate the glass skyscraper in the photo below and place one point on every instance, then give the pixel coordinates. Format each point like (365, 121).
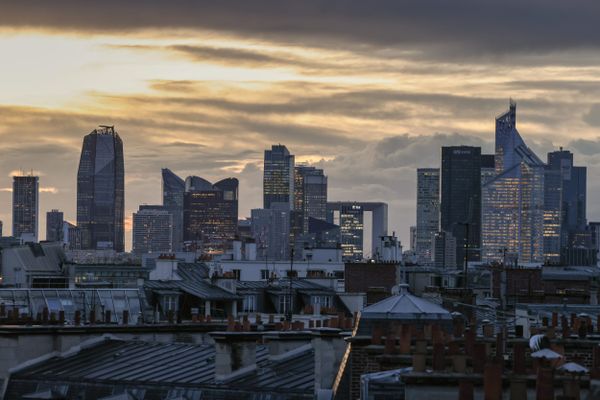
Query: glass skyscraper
(278, 178)
(101, 191)
(428, 212)
(513, 217)
(173, 188)
(310, 194)
(25, 210)
(210, 213)
(460, 208)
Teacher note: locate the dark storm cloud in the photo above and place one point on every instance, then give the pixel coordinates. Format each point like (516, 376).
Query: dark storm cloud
(466, 26)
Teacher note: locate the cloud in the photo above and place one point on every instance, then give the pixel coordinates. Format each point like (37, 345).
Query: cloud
(463, 26)
(51, 190)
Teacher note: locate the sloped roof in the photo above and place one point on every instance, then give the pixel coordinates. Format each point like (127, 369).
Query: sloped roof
(407, 307)
(173, 368)
(200, 289)
(36, 257)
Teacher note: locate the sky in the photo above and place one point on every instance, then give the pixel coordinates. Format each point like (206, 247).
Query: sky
(369, 91)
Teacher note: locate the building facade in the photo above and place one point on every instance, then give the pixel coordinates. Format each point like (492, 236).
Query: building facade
(101, 191)
(514, 210)
(428, 212)
(25, 212)
(54, 226)
(210, 213)
(460, 209)
(271, 230)
(173, 188)
(152, 230)
(278, 178)
(310, 194)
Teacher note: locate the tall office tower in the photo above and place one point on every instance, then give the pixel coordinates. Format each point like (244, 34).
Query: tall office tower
(271, 230)
(54, 226)
(210, 213)
(101, 191)
(25, 207)
(428, 212)
(461, 199)
(553, 191)
(152, 230)
(573, 200)
(173, 188)
(278, 178)
(514, 216)
(1, 228)
(310, 194)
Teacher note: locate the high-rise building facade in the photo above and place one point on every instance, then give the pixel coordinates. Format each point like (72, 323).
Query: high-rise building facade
(460, 208)
(573, 181)
(152, 230)
(513, 224)
(271, 230)
(101, 191)
(54, 226)
(428, 212)
(25, 212)
(310, 194)
(210, 213)
(173, 188)
(278, 178)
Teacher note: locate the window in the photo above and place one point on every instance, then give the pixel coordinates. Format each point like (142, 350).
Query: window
(264, 274)
(236, 273)
(323, 301)
(169, 303)
(249, 303)
(284, 303)
(293, 273)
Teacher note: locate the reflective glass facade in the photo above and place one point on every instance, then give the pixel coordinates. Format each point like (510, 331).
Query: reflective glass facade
(428, 212)
(173, 188)
(278, 178)
(210, 213)
(513, 216)
(101, 191)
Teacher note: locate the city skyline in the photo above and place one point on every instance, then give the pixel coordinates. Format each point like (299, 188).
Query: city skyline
(368, 100)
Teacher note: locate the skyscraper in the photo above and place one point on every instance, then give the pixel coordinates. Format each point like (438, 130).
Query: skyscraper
(210, 212)
(514, 209)
(101, 190)
(54, 226)
(152, 230)
(278, 178)
(310, 194)
(573, 181)
(461, 198)
(173, 188)
(271, 230)
(428, 212)
(25, 207)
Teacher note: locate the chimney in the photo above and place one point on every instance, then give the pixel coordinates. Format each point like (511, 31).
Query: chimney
(235, 352)
(329, 347)
(492, 381)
